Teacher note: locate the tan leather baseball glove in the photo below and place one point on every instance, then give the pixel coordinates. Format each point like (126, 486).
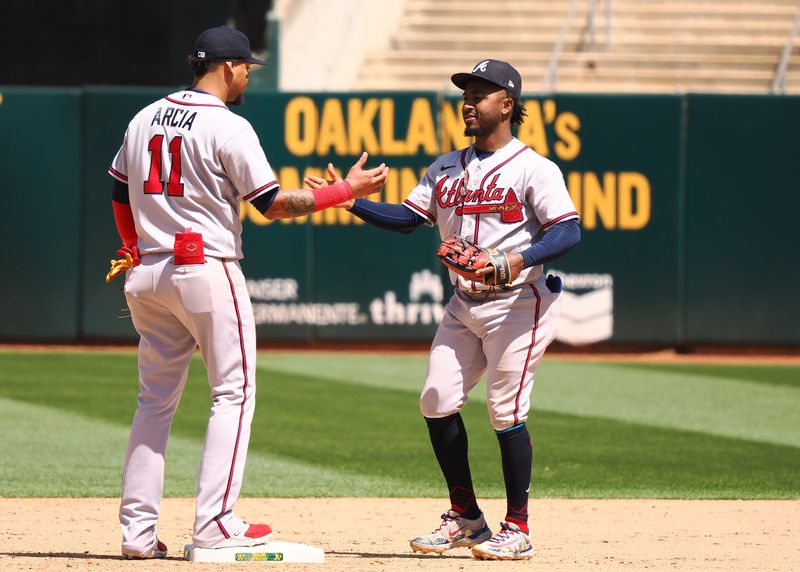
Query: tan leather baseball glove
(465, 258)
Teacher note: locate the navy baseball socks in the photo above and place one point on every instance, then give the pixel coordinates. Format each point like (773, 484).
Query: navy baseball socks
(512, 542)
(449, 439)
(516, 453)
(463, 525)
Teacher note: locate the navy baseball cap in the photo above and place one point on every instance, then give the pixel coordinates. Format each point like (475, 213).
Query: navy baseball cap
(223, 44)
(495, 71)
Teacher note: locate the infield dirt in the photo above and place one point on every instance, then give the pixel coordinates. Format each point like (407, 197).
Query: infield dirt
(362, 534)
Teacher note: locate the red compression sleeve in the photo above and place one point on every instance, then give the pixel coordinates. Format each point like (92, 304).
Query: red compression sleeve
(123, 217)
(331, 195)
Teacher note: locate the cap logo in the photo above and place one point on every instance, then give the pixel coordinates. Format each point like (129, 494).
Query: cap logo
(201, 54)
(510, 83)
(481, 66)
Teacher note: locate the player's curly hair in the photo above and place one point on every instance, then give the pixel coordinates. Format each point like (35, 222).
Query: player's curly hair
(519, 113)
(201, 67)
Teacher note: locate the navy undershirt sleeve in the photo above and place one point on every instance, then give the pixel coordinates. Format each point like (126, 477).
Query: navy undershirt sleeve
(120, 193)
(554, 244)
(264, 202)
(387, 216)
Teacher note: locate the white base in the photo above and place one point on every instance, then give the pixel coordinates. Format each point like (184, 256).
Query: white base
(268, 552)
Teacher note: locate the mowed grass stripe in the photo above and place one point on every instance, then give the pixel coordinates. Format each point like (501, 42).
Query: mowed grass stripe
(675, 399)
(770, 374)
(722, 407)
(50, 453)
(395, 371)
(574, 457)
(590, 457)
(604, 458)
(373, 440)
(104, 387)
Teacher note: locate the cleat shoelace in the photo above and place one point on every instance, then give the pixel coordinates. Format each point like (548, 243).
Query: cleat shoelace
(445, 520)
(503, 534)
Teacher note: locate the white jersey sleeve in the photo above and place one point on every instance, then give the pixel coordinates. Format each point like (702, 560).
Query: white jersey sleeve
(246, 165)
(548, 195)
(422, 198)
(119, 166)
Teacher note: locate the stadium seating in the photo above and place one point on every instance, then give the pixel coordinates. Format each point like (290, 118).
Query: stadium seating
(656, 46)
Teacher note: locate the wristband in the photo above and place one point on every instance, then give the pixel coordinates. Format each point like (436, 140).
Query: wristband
(331, 195)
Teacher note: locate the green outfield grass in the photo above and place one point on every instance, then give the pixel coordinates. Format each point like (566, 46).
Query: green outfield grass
(348, 425)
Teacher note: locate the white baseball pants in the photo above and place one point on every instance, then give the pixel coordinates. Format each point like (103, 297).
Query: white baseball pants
(504, 333)
(174, 309)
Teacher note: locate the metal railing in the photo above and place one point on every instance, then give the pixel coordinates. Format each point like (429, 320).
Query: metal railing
(779, 79)
(550, 79)
(549, 83)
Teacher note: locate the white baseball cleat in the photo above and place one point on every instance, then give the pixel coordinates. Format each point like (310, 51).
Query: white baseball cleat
(159, 550)
(253, 535)
(508, 544)
(454, 531)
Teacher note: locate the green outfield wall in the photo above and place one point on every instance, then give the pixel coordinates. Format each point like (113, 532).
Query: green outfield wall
(687, 206)
(41, 147)
(742, 206)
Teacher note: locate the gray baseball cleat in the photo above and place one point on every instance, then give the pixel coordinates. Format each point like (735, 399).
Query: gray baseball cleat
(454, 531)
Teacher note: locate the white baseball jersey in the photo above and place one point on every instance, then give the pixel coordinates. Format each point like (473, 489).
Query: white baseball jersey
(503, 201)
(188, 161)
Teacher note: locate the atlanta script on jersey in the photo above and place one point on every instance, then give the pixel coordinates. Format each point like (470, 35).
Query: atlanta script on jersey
(503, 201)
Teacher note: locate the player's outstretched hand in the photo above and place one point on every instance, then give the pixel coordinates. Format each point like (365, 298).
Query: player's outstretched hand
(366, 181)
(314, 182)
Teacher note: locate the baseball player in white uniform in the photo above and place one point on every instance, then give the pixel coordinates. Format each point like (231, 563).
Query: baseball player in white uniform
(500, 194)
(185, 164)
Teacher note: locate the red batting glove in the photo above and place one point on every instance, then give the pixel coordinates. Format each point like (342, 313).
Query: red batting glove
(133, 251)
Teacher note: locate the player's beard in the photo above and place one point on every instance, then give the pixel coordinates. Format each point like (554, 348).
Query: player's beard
(238, 100)
(475, 129)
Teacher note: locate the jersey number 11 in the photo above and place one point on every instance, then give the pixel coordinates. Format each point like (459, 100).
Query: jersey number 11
(154, 185)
